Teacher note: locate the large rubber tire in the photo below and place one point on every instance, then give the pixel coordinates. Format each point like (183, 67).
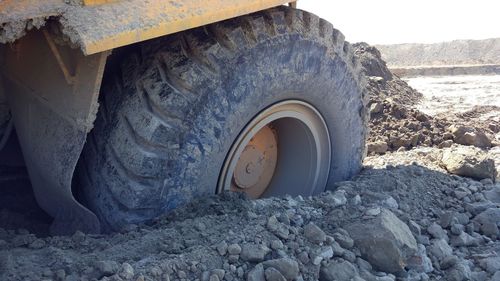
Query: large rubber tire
(170, 114)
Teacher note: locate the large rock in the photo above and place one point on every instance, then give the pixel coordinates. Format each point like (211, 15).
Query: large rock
(468, 162)
(489, 221)
(385, 241)
(470, 136)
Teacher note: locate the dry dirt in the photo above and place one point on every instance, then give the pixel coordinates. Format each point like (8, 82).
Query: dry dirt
(425, 223)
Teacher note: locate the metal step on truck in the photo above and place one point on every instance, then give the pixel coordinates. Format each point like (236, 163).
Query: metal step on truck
(126, 109)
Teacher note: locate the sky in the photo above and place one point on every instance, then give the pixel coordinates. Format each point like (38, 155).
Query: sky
(409, 21)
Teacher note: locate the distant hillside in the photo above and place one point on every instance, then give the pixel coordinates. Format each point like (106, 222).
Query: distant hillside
(458, 52)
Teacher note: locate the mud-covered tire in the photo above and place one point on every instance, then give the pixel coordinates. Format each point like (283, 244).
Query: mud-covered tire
(171, 112)
(5, 124)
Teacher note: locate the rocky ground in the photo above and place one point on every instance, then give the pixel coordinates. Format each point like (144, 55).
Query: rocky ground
(397, 124)
(427, 210)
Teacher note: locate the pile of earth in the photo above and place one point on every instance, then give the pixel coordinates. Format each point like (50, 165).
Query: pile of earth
(396, 124)
(402, 218)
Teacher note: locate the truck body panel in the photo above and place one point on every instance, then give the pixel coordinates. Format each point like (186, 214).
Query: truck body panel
(96, 28)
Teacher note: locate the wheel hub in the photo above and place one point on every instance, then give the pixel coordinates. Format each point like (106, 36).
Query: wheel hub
(256, 165)
(284, 150)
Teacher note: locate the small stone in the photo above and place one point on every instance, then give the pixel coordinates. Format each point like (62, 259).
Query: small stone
(378, 147)
(437, 232)
(214, 277)
(253, 252)
(127, 271)
(345, 241)
(390, 203)
(60, 274)
(488, 222)
(277, 228)
(323, 253)
(356, 200)
(256, 274)
(423, 239)
(420, 262)
(376, 107)
(37, 244)
(464, 239)
(304, 258)
(459, 272)
(78, 236)
(339, 198)
(457, 229)
(155, 271)
(496, 276)
(491, 264)
(373, 212)
(47, 272)
(314, 234)
(181, 274)
(286, 266)
(448, 262)
(440, 249)
(219, 273)
(273, 275)
(233, 258)
(107, 268)
(234, 249)
(492, 195)
(414, 228)
(337, 271)
(349, 256)
(22, 240)
(477, 208)
(240, 272)
(276, 245)
(481, 276)
(222, 248)
(445, 144)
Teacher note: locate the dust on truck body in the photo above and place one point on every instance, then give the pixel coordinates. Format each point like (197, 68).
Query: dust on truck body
(126, 109)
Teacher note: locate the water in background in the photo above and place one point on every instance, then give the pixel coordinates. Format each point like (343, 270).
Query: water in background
(445, 95)
(456, 94)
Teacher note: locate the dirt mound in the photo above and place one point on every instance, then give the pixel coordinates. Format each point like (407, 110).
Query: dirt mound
(423, 213)
(457, 52)
(395, 123)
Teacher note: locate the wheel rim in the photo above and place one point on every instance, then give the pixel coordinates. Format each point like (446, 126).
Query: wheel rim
(285, 149)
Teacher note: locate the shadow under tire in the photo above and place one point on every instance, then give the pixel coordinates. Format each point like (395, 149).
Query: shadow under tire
(173, 107)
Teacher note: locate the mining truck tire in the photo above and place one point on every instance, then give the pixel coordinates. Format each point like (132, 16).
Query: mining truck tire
(178, 111)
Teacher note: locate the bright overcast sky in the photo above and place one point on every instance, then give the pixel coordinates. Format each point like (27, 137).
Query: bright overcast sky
(409, 21)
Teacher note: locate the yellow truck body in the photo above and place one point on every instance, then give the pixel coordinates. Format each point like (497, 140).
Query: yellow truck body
(101, 25)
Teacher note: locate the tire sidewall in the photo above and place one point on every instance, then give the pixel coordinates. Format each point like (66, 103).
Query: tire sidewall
(268, 73)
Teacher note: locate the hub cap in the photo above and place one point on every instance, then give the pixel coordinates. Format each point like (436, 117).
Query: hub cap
(284, 150)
